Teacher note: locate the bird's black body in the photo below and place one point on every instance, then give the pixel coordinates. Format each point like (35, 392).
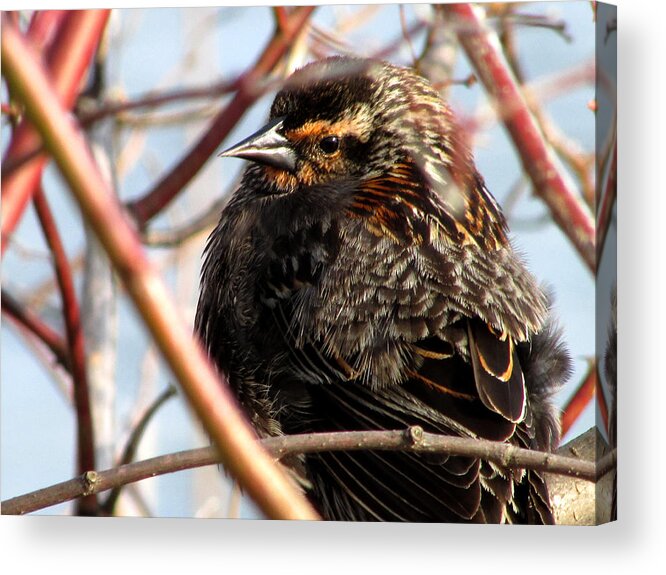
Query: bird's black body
(361, 278)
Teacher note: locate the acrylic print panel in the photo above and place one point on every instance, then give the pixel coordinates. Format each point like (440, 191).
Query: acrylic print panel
(377, 290)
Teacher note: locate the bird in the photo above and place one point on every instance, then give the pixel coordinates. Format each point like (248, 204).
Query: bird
(361, 278)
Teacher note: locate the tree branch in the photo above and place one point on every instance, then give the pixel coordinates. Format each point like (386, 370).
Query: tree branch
(581, 397)
(74, 330)
(29, 320)
(133, 442)
(91, 115)
(413, 439)
(67, 62)
(605, 208)
(550, 183)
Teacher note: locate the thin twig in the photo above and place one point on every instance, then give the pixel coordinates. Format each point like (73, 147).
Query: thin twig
(133, 443)
(581, 162)
(507, 36)
(406, 35)
(324, 41)
(89, 116)
(161, 119)
(172, 237)
(538, 21)
(25, 317)
(74, 330)
(413, 439)
(44, 357)
(37, 297)
(394, 45)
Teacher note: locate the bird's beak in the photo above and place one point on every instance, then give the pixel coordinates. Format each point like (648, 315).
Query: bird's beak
(267, 146)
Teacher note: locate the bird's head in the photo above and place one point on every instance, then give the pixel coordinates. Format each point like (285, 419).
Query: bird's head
(347, 117)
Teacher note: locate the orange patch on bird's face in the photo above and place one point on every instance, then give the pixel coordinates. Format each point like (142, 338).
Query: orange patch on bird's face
(309, 131)
(283, 179)
(315, 165)
(317, 129)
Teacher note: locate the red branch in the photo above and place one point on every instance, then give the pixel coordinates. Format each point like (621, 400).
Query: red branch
(210, 397)
(28, 320)
(579, 400)
(281, 18)
(67, 61)
(605, 209)
(74, 330)
(182, 173)
(44, 26)
(549, 180)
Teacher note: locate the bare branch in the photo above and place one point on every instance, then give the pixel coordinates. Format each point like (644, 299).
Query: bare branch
(605, 208)
(94, 114)
(413, 439)
(26, 318)
(67, 62)
(581, 397)
(133, 442)
(74, 330)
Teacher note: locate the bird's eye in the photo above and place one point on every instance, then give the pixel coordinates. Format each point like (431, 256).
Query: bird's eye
(329, 144)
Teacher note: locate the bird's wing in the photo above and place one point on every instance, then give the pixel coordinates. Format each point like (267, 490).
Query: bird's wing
(442, 396)
(458, 375)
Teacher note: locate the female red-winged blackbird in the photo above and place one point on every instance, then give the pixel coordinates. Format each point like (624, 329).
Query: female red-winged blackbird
(361, 278)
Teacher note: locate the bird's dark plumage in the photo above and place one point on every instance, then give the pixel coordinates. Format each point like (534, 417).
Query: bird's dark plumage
(361, 278)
